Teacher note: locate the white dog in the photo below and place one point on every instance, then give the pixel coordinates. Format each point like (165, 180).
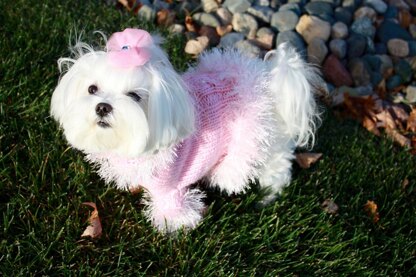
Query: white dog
(229, 120)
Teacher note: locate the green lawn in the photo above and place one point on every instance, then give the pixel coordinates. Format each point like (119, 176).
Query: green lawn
(43, 183)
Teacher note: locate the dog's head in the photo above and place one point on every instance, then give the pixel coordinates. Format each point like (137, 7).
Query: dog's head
(127, 99)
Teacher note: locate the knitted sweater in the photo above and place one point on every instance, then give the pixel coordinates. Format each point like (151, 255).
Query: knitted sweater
(233, 125)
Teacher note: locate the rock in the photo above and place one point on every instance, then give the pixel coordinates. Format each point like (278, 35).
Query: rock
(323, 10)
(378, 5)
(411, 94)
(225, 16)
(380, 48)
(230, 39)
(177, 29)
(147, 13)
(209, 5)
(398, 47)
(412, 30)
(291, 7)
(196, 46)
(386, 66)
(343, 14)
(356, 45)
(412, 47)
(393, 82)
(161, 5)
(293, 39)
(265, 37)
(405, 18)
(261, 13)
(404, 70)
(400, 4)
(389, 30)
(349, 4)
(360, 72)
(223, 30)
(284, 20)
(363, 26)
(339, 30)
(338, 47)
(391, 13)
(373, 61)
(265, 3)
(206, 19)
(310, 27)
(245, 24)
(317, 51)
(248, 48)
(336, 73)
(236, 6)
(365, 12)
(211, 34)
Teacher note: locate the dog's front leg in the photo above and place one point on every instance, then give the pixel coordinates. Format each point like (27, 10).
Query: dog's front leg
(170, 209)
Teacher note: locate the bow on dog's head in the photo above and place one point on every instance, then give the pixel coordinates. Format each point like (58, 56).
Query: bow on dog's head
(126, 100)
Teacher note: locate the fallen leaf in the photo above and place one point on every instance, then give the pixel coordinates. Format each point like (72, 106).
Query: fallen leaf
(370, 125)
(330, 206)
(136, 190)
(305, 160)
(405, 183)
(128, 4)
(189, 24)
(411, 122)
(399, 138)
(372, 210)
(94, 230)
(386, 120)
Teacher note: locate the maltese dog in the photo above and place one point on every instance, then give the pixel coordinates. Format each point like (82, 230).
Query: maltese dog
(229, 120)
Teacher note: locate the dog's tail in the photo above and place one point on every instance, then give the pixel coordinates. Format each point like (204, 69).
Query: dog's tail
(293, 83)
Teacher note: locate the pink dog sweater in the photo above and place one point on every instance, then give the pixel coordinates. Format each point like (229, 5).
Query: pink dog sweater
(233, 108)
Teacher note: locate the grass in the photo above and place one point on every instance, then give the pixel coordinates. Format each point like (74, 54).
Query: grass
(43, 183)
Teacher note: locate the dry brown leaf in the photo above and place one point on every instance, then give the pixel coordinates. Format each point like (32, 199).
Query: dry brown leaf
(386, 120)
(397, 137)
(94, 230)
(128, 4)
(411, 122)
(372, 210)
(189, 24)
(330, 206)
(400, 115)
(371, 126)
(405, 183)
(305, 160)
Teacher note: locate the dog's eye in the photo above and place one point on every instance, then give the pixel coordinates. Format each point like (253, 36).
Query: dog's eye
(92, 89)
(135, 96)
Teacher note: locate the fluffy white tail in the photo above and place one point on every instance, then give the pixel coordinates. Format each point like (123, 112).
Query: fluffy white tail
(293, 83)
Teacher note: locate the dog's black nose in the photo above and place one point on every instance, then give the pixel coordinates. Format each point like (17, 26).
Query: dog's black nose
(102, 109)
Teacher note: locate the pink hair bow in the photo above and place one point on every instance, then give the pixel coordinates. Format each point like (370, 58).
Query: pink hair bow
(129, 48)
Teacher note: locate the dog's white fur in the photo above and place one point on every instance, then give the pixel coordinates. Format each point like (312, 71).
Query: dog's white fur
(166, 114)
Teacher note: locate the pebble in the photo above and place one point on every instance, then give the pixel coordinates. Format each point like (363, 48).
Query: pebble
(343, 14)
(356, 45)
(363, 26)
(224, 16)
(248, 48)
(290, 7)
(284, 20)
(147, 13)
(230, 39)
(323, 10)
(388, 30)
(196, 46)
(206, 19)
(317, 51)
(211, 34)
(393, 82)
(293, 38)
(398, 47)
(386, 65)
(360, 72)
(264, 14)
(365, 12)
(310, 27)
(265, 37)
(338, 47)
(404, 70)
(177, 29)
(335, 72)
(411, 94)
(379, 5)
(237, 6)
(339, 30)
(209, 5)
(245, 24)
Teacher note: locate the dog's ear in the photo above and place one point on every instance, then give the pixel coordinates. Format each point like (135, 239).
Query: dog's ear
(171, 110)
(60, 96)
